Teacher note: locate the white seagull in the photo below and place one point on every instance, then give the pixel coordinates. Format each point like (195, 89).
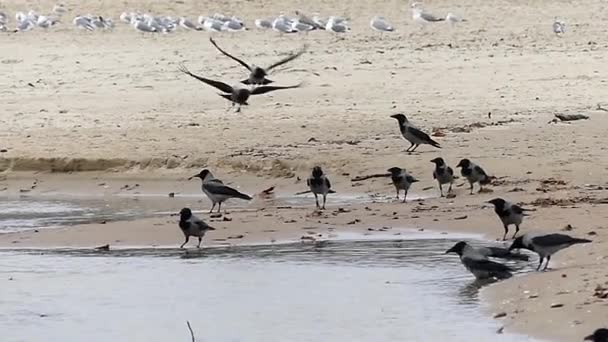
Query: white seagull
(380, 24)
(337, 25)
(559, 27)
(420, 16)
(263, 24)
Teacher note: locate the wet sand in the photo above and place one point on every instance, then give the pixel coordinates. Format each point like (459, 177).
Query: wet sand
(114, 104)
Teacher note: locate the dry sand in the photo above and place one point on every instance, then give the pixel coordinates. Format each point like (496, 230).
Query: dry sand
(114, 104)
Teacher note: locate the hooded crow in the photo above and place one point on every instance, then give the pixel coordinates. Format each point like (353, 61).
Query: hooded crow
(192, 226)
(443, 174)
(508, 214)
(600, 335)
(412, 134)
(401, 180)
(236, 95)
(473, 173)
(257, 75)
(478, 264)
(216, 190)
(545, 245)
(319, 185)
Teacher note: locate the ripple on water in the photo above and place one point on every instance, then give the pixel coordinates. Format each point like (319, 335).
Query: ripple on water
(336, 291)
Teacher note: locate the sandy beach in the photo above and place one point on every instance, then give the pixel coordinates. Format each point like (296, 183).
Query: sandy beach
(108, 115)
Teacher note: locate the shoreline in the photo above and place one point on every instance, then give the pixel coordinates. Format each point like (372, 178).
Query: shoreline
(261, 222)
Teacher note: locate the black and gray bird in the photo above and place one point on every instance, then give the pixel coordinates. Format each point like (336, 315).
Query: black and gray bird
(473, 173)
(600, 335)
(257, 75)
(216, 190)
(412, 134)
(236, 95)
(498, 252)
(192, 226)
(545, 245)
(443, 174)
(401, 180)
(478, 264)
(319, 185)
(509, 214)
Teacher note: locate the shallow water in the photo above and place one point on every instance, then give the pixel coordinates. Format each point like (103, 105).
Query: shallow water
(335, 291)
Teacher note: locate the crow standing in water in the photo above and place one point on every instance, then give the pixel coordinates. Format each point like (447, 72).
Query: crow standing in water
(319, 185)
(192, 226)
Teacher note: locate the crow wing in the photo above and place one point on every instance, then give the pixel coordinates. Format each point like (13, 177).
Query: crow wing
(229, 55)
(266, 89)
(216, 84)
(484, 265)
(550, 240)
(287, 59)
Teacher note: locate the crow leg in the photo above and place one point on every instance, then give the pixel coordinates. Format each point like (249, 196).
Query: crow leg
(547, 263)
(440, 189)
(219, 207)
(504, 237)
(324, 200)
(540, 262)
(317, 201)
(185, 242)
(212, 207)
(408, 149)
(516, 231)
(200, 239)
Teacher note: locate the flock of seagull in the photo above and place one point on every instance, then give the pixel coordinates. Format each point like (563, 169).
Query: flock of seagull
(148, 23)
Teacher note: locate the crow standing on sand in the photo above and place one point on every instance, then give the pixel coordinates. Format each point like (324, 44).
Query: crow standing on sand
(473, 173)
(508, 214)
(236, 95)
(257, 75)
(545, 245)
(412, 134)
(319, 185)
(478, 264)
(192, 226)
(401, 180)
(443, 174)
(216, 190)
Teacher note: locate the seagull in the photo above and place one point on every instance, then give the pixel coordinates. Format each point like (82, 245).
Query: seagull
(452, 19)
(192, 226)
(25, 25)
(236, 95)
(233, 26)
(600, 335)
(216, 190)
(443, 174)
(559, 27)
(412, 134)
(478, 264)
(263, 24)
(380, 24)
(545, 245)
(144, 27)
(473, 173)
(188, 25)
(401, 180)
(337, 25)
(257, 75)
(420, 16)
(304, 19)
(320, 23)
(59, 9)
(282, 25)
(46, 22)
(319, 185)
(212, 25)
(299, 26)
(508, 214)
(83, 22)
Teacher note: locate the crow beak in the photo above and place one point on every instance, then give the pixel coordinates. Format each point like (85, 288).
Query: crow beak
(589, 338)
(192, 177)
(211, 228)
(451, 250)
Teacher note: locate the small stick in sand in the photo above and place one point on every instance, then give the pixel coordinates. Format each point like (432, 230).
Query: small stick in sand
(191, 332)
(377, 175)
